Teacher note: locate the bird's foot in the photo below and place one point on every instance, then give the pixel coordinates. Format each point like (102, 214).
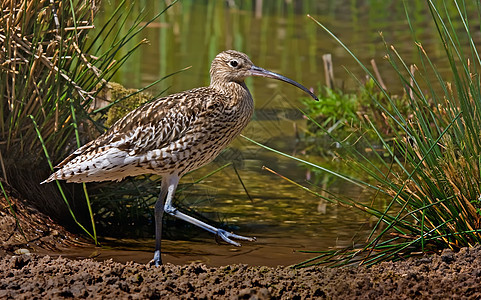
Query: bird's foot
(157, 260)
(228, 236)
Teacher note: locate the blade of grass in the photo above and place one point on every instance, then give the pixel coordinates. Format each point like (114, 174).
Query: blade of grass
(58, 183)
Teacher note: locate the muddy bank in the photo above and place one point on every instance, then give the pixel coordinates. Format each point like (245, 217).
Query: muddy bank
(24, 227)
(450, 275)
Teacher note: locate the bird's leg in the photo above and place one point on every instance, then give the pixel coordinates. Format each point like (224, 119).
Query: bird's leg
(171, 210)
(159, 212)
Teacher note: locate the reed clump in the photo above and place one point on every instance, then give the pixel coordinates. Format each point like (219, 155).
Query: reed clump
(45, 73)
(55, 68)
(429, 170)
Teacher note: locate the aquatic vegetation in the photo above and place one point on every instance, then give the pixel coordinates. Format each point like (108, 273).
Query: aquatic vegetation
(346, 115)
(430, 166)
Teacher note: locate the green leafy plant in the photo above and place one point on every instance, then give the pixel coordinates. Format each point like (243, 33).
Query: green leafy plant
(333, 109)
(345, 115)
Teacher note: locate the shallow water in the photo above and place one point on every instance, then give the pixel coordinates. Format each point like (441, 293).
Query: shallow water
(283, 218)
(280, 38)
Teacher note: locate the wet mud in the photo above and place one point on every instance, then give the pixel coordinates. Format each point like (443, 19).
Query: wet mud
(449, 275)
(39, 276)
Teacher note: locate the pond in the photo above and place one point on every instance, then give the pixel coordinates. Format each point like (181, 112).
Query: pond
(278, 36)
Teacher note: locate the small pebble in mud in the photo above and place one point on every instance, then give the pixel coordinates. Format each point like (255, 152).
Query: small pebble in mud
(447, 256)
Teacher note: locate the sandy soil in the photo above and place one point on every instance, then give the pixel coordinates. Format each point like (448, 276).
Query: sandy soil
(33, 276)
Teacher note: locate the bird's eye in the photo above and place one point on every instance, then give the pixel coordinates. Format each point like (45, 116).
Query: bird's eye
(234, 63)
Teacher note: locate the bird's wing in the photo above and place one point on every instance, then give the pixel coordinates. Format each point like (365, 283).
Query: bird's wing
(155, 124)
(74, 154)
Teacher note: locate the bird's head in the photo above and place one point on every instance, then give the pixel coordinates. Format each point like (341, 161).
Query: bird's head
(234, 66)
(230, 66)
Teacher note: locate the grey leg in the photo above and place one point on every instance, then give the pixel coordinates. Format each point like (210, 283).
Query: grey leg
(159, 212)
(171, 210)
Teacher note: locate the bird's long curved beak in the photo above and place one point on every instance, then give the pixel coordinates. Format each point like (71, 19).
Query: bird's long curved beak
(256, 71)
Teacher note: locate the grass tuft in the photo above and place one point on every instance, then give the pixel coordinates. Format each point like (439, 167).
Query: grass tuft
(54, 68)
(430, 169)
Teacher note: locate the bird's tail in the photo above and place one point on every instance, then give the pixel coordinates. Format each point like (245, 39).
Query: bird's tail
(55, 176)
(112, 164)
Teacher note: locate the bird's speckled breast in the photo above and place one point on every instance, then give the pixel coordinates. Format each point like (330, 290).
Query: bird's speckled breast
(213, 130)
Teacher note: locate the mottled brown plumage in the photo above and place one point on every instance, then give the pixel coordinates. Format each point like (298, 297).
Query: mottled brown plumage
(173, 135)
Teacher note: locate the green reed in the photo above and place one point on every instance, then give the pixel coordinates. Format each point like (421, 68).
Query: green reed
(429, 168)
(54, 69)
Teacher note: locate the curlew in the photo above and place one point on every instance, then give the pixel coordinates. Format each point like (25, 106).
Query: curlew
(173, 135)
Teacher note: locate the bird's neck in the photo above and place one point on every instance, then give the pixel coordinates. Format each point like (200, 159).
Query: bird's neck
(236, 92)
